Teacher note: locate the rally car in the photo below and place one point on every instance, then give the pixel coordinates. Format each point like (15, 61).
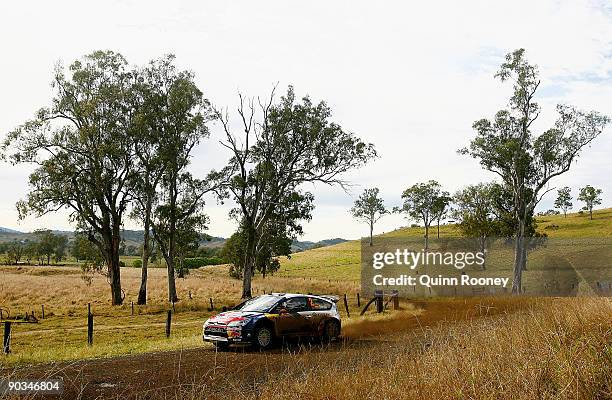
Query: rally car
(262, 320)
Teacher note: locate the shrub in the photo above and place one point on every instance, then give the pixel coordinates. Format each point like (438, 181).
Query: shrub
(137, 263)
(198, 262)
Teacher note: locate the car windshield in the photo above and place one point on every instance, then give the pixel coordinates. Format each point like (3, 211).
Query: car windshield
(260, 304)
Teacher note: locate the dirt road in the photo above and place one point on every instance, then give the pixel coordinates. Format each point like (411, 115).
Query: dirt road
(168, 374)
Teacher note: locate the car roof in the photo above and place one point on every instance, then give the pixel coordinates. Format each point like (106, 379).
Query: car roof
(289, 295)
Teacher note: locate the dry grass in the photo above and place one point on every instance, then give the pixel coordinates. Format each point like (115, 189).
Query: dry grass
(555, 349)
(61, 336)
(560, 350)
(64, 292)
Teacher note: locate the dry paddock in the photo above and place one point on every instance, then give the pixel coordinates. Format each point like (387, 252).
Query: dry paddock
(474, 349)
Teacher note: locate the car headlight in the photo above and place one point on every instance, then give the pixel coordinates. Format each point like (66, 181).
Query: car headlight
(238, 323)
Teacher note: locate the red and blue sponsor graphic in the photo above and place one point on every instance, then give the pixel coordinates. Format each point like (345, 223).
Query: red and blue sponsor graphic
(226, 317)
(225, 323)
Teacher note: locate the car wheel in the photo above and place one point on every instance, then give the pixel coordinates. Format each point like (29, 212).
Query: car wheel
(263, 337)
(331, 330)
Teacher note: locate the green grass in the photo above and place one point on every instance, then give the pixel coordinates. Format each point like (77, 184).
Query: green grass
(337, 262)
(569, 242)
(62, 338)
(578, 225)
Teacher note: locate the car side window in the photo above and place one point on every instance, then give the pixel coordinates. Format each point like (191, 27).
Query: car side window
(319, 304)
(296, 304)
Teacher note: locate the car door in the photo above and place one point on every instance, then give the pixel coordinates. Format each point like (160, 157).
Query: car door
(318, 313)
(293, 319)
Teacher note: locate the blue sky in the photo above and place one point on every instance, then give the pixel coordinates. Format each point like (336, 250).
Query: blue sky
(409, 77)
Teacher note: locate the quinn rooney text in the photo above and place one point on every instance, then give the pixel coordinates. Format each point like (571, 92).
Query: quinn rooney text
(429, 281)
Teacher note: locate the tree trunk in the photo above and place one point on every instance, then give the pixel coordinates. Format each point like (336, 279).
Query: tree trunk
(426, 237)
(180, 272)
(371, 231)
(519, 255)
(591, 213)
(114, 269)
(438, 229)
(142, 293)
(172, 297)
(526, 242)
(172, 242)
(247, 277)
(249, 264)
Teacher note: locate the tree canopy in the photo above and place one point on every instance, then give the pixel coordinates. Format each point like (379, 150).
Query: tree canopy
(369, 208)
(117, 139)
(424, 202)
(564, 199)
(284, 145)
(526, 162)
(591, 198)
(83, 152)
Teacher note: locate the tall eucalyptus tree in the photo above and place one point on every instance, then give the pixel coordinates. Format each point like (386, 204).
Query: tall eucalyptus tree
(525, 162)
(83, 155)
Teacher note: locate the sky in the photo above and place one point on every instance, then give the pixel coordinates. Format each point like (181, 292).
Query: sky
(410, 77)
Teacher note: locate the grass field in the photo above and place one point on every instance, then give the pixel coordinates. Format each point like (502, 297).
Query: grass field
(334, 269)
(578, 225)
(342, 261)
(551, 350)
(65, 295)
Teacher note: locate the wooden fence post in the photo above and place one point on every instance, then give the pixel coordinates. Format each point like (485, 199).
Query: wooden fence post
(395, 300)
(379, 301)
(348, 314)
(358, 300)
(43, 311)
(6, 342)
(212, 307)
(132, 308)
(168, 323)
(89, 325)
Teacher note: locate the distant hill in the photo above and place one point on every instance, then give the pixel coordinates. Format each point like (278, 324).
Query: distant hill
(298, 246)
(135, 238)
(8, 230)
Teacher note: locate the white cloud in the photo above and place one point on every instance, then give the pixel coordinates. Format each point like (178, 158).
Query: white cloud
(410, 77)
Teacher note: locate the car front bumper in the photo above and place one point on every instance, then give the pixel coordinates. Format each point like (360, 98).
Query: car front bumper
(210, 338)
(229, 336)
